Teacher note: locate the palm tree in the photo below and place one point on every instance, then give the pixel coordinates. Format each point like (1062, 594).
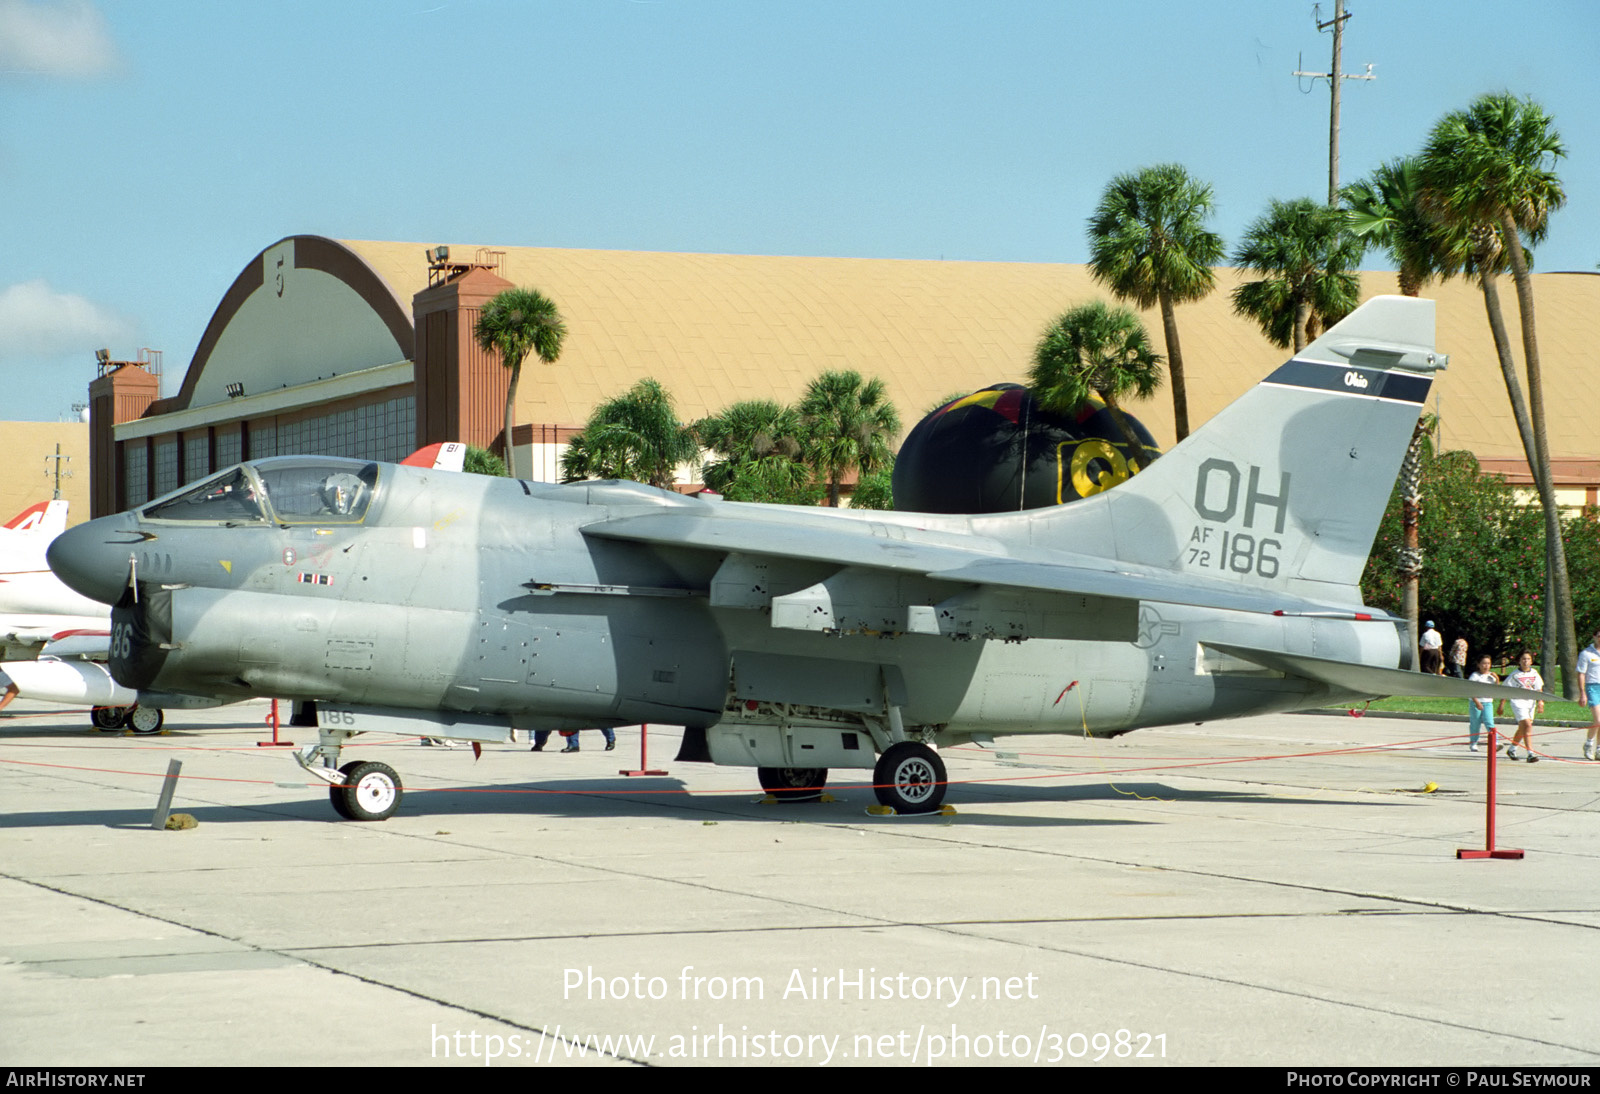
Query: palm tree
(849, 426)
(1148, 243)
(1489, 170)
(1306, 257)
(1410, 489)
(760, 444)
(635, 436)
(1387, 210)
(513, 324)
(875, 490)
(480, 461)
(1096, 350)
(773, 482)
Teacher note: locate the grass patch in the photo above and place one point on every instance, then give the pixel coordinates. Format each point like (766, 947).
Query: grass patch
(1411, 704)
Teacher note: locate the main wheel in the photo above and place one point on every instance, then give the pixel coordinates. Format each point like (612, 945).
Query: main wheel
(372, 792)
(909, 778)
(107, 717)
(793, 784)
(144, 719)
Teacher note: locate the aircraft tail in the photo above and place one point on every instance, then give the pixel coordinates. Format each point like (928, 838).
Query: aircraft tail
(1285, 487)
(443, 456)
(47, 519)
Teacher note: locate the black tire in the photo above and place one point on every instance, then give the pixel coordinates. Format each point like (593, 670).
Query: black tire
(336, 793)
(909, 778)
(372, 793)
(107, 718)
(793, 784)
(143, 720)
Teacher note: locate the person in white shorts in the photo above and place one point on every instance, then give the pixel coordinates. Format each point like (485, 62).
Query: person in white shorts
(1523, 710)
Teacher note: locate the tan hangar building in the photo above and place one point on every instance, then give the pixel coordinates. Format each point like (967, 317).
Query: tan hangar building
(357, 348)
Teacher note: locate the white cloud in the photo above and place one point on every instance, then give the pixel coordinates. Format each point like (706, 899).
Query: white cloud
(53, 38)
(37, 321)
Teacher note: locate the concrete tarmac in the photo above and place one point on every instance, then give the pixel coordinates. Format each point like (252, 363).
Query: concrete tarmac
(1275, 891)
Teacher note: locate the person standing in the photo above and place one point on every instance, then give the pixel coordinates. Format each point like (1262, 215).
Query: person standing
(1432, 648)
(605, 731)
(1458, 659)
(1589, 669)
(1523, 710)
(1480, 712)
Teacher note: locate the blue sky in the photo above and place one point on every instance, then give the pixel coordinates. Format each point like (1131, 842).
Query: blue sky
(149, 149)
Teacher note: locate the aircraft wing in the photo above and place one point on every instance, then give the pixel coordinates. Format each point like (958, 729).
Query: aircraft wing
(857, 545)
(1366, 680)
(32, 632)
(846, 546)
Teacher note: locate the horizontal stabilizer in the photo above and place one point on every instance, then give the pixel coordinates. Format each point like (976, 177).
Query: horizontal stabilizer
(1376, 682)
(1144, 583)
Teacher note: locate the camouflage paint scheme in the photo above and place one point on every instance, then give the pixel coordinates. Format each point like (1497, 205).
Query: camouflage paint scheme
(1221, 581)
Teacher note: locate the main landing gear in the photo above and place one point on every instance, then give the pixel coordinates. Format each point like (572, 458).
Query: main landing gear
(135, 718)
(909, 778)
(793, 784)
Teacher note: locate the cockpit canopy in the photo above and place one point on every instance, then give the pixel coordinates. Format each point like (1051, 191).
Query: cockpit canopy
(283, 490)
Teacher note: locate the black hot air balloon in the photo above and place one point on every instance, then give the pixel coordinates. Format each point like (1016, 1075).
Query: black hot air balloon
(997, 450)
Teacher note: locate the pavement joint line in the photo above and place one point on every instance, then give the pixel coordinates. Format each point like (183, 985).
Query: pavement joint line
(495, 940)
(1274, 883)
(290, 955)
(297, 954)
(1250, 985)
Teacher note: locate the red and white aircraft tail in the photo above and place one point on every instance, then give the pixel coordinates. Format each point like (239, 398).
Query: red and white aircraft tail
(44, 518)
(444, 456)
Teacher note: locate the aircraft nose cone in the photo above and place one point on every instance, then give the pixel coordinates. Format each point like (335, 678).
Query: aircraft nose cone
(92, 559)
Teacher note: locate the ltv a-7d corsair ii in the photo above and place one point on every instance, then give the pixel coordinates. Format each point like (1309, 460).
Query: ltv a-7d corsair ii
(1219, 582)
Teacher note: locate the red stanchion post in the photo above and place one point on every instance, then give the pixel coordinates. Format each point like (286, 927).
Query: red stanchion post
(1489, 848)
(272, 720)
(644, 755)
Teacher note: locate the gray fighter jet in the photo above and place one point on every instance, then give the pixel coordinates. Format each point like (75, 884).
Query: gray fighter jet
(1222, 581)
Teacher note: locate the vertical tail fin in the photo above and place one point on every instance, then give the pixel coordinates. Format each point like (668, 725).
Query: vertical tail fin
(1286, 486)
(443, 456)
(46, 519)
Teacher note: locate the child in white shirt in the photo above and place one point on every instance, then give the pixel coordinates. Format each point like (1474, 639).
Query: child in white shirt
(1481, 711)
(1523, 710)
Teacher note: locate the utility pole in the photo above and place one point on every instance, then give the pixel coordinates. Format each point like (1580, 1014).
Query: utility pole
(58, 457)
(1334, 78)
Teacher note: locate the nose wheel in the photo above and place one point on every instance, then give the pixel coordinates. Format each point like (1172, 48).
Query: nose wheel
(909, 778)
(371, 791)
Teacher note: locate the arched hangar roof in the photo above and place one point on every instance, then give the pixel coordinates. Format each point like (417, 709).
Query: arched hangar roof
(304, 309)
(716, 328)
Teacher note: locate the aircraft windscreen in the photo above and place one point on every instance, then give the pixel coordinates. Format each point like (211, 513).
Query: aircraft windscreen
(318, 491)
(228, 498)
